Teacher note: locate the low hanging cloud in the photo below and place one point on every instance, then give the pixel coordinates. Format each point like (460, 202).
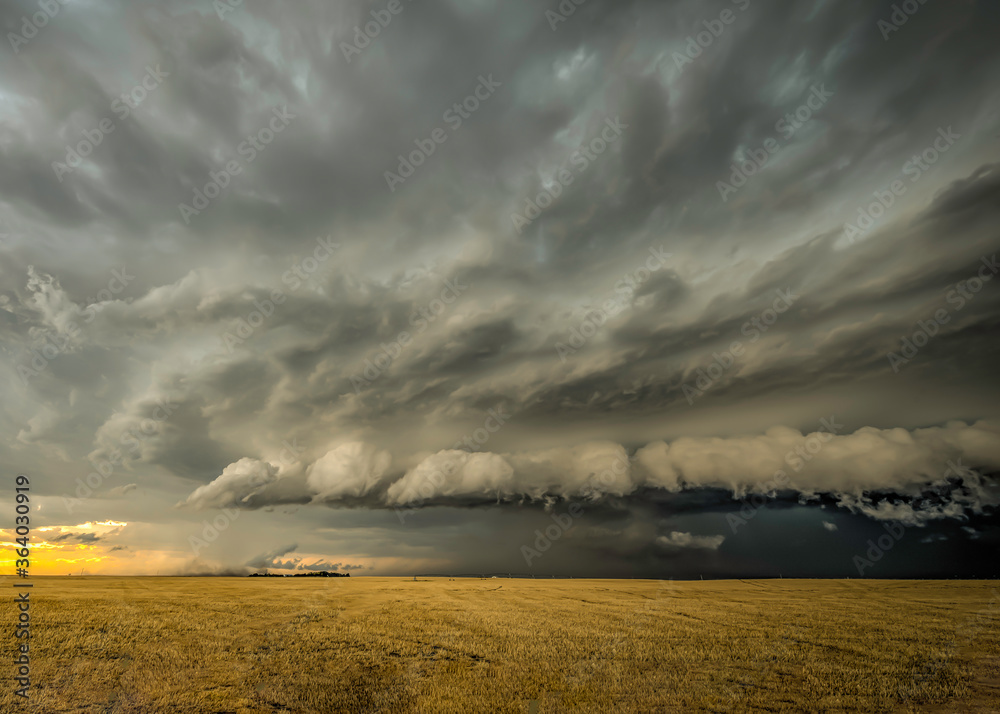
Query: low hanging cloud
(322, 565)
(351, 469)
(271, 558)
(941, 501)
(933, 473)
(326, 565)
(454, 473)
(589, 470)
(234, 486)
(679, 539)
(869, 459)
(78, 537)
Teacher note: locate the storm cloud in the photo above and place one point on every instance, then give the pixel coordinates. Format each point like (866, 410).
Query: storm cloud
(643, 257)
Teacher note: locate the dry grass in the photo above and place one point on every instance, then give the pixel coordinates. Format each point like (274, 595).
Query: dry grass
(394, 645)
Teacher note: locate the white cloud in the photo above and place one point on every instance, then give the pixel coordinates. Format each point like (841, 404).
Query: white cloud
(590, 469)
(679, 539)
(351, 469)
(454, 473)
(848, 466)
(237, 482)
(869, 459)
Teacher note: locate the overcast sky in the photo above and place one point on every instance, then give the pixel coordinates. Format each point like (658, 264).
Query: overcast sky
(610, 289)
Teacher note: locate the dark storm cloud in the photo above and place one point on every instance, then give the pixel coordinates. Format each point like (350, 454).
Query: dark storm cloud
(269, 559)
(243, 365)
(78, 537)
(327, 565)
(321, 565)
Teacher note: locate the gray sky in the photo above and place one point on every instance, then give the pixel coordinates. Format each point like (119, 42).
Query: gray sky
(391, 287)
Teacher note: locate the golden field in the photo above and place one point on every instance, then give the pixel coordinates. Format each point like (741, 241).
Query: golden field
(468, 645)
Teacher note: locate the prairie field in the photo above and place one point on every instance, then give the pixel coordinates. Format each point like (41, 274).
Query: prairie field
(115, 645)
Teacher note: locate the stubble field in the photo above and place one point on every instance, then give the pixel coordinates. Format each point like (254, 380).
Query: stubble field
(468, 645)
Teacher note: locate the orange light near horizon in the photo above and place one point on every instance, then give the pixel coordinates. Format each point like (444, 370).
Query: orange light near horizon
(32, 544)
(57, 557)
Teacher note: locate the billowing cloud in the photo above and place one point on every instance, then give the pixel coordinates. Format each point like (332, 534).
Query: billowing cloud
(320, 566)
(234, 486)
(663, 333)
(858, 469)
(326, 565)
(454, 473)
(272, 558)
(351, 469)
(868, 459)
(590, 469)
(78, 537)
